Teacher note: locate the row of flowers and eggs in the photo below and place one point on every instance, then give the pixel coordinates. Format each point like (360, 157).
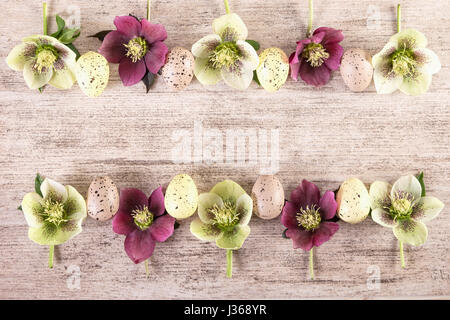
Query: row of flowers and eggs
(138, 47)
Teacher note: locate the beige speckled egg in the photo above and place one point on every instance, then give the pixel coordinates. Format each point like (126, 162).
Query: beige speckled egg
(273, 69)
(102, 199)
(92, 73)
(179, 68)
(356, 69)
(353, 201)
(268, 197)
(181, 198)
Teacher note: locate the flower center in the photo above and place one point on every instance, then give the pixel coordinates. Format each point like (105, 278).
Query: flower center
(143, 218)
(403, 62)
(315, 54)
(309, 218)
(226, 217)
(54, 212)
(136, 49)
(225, 55)
(401, 206)
(46, 56)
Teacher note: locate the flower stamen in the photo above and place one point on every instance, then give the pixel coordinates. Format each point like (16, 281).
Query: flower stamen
(225, 217)
(143, 218)
(309, 218)
(226, 55)
(136, 49)
(403, 62)
(46, 56)
(402, 205)
(53, 212)
(315, 54)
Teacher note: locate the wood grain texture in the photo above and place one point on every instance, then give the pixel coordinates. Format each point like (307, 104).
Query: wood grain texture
(325, 135)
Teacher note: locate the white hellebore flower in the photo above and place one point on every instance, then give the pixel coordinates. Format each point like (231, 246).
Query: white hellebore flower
(43, 60)
(405, 63)
(225, 54)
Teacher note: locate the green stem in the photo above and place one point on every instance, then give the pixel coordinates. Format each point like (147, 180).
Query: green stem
(227, 6)
(147, 272)
(50, 256)
(311, 263)
(311, 14)
(148, 10)
(44, 5)
(402, 256)
(399, 18)
(229, 263)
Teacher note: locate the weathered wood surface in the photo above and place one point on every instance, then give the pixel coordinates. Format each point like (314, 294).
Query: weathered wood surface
(325, 136)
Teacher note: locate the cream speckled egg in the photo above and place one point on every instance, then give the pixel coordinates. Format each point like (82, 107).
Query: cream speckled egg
(273, 69)
(179, 68)
(356, 69)
(353, 201)
(102, 199)
(181, 198)
(92, 73)
(268, 197)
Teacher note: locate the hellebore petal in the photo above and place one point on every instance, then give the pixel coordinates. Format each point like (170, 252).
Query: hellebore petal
(324, 233)
(335, 51)
(35, 79)
(20, 54)
(75, 205)
(153, 32)
(204, 73)
(233, 240)
(249, 57)
(409, 39)
(383, 56)
(417, 85)
(331, 35)
(156, 202)
(411, 232)
(383, 218)
(238, 78)
(205, 202)
(205, 46)
(379, 193)
(244, 207)
(31, 208)
(63, 76)
(300, 238)
(386, 81)
(289, 215)
(128, 25)
(315, 76)
(113, 48)
(51, 189)
(123, 223)
(131, 73)
(328, 205)
(139, 245)
(204, 231)
(228, 190)
(66, 55)
(294, 66)
(427, 209)
(156, 56)
(428, 60)
(408, 184)
(49, 234)
(230, 27)
(131, 199)
(41, 39)
(162, 228)
(306, 194)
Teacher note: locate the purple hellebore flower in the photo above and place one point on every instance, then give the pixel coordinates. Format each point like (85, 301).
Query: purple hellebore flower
(141, 219)
(305, 216)
(137, 46)
(316, 56)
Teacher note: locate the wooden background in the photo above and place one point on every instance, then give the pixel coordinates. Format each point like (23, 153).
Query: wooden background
(325, 135)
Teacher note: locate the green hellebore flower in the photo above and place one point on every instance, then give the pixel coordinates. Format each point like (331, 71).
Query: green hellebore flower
(405, 63)
(44, 60)
(54, 217)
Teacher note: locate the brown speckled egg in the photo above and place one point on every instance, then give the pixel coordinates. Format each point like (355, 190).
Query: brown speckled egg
(356, 69)
(102, 199)
(353, 201)
(273, 69)
(179, 68)
(268, 197)
(92, 73)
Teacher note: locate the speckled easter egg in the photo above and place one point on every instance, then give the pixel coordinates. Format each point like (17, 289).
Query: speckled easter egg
(179, 69)
(92, 73)
(268, 197)
(181, 198)
(273, 69)
(102, 199)
(356, 69)
(353, 201)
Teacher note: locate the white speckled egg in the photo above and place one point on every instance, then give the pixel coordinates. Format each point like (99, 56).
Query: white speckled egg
(92, 73)
(356, 69)
(353, 201)
(268, 197)
(181, 198)
(273, 69)
(179, 69)
(102, 199)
